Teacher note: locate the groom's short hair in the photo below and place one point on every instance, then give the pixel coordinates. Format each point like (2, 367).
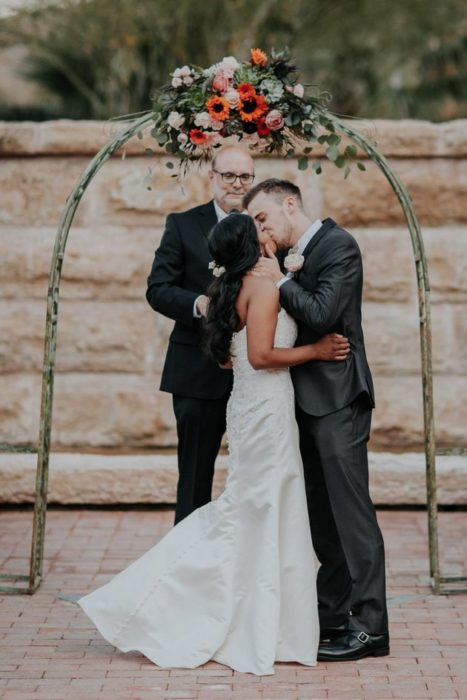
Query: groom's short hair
(278, 188)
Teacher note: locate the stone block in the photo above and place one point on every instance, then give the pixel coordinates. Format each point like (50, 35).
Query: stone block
(120, 194)
(86, 137)
(96, 410)
(389, 267)
(438, 188)
(93, 336)
(33, 192)
(392, 338)
(398, 418)
(102, 262)
(91, 479)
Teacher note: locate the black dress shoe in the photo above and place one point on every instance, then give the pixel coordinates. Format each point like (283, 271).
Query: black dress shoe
(352, 645)
(328, 634)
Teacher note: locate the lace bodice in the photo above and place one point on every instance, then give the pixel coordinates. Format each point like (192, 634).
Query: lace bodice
(286, 334)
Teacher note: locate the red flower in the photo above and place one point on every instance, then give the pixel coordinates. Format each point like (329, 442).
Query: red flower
(246, 90)
(198, 137)
(263, 130)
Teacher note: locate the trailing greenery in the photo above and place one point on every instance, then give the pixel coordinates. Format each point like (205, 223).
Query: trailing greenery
(101, 58)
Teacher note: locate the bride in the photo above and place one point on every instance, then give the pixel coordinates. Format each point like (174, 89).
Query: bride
(235, 581)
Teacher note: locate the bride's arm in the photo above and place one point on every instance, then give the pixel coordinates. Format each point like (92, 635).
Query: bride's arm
(261, 321)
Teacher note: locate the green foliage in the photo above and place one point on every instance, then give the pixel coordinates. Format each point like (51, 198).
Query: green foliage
(101, 58)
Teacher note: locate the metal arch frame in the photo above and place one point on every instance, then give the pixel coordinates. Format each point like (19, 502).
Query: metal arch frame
(40, 505)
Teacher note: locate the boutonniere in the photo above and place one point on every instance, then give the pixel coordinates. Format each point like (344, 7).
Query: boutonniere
(294, 260)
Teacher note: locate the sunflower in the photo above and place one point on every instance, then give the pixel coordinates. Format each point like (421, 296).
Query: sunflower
(252, 108)
(218, 108)
(258, 58)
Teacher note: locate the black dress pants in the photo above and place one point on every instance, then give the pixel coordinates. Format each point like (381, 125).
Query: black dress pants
(200, 427)
(345, 532)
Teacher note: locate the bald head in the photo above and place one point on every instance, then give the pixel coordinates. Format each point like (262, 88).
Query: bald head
(231, 175)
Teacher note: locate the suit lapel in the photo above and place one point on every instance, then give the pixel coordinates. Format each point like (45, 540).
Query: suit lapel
(327, 224)
(207, 217)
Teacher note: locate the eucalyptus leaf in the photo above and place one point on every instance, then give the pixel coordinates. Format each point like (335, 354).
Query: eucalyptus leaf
(317, 167)
(303, 163)
(360, 166)
(332, 153)
(350, 151)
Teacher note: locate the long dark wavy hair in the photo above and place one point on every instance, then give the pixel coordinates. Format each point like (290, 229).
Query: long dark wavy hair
(233, 244)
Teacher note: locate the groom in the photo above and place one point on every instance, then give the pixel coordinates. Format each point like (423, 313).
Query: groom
(334, 404)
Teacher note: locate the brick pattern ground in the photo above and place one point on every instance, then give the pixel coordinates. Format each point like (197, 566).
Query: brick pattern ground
(49, 650)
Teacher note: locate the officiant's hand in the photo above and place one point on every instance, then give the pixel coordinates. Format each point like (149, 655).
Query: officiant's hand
(332, 346)
(202, 305)
(268, 266)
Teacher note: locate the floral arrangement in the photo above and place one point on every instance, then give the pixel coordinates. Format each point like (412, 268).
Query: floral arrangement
(258, 101)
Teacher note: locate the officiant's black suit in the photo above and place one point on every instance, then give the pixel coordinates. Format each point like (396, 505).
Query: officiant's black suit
(199, 387)
(334, 405)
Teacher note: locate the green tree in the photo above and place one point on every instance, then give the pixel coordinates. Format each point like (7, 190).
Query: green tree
(101, 58)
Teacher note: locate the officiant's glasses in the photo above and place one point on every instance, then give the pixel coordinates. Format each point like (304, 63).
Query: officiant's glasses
(230, 178)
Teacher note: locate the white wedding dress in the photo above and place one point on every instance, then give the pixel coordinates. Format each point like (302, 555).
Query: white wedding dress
(236, 580)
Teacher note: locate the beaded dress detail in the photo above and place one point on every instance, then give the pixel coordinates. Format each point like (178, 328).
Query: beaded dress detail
(235, 581)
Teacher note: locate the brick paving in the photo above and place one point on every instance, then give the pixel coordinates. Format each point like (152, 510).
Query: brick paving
(49, 650)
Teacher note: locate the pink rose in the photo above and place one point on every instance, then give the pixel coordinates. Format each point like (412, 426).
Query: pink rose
(221, 82)
(274, 120)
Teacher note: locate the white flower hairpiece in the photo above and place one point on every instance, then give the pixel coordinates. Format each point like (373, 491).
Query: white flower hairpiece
(217, 270)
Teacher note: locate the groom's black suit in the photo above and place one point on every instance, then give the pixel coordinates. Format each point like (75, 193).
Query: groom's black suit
(199, 387)
(334, 404)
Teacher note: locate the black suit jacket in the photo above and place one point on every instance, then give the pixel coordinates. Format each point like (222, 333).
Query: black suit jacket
(324, 297)
(178, 276)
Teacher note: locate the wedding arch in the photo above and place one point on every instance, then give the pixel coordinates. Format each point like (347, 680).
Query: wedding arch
(306, 126)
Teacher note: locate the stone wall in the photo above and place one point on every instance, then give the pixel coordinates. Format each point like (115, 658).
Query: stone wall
(111, 344)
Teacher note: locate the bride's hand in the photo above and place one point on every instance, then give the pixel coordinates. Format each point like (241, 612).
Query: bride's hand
(268, 266)
(332, 346)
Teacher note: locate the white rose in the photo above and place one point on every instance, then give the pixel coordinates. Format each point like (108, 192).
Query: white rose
(216, 125)
(182, 138)
(176, 81)
(184, 71)
(188, 80)
(175, 120)
(230, 63)
(203, 120)
(298, 90)
(232, 97)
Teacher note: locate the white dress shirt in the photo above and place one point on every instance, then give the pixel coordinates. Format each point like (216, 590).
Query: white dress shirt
(301, 244)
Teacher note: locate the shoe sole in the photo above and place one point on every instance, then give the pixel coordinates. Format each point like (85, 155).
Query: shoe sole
(377, 652)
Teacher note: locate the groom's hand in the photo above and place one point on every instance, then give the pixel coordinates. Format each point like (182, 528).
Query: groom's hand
(268, 266)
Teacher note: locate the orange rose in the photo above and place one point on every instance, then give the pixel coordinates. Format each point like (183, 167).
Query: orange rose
(258, 58)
